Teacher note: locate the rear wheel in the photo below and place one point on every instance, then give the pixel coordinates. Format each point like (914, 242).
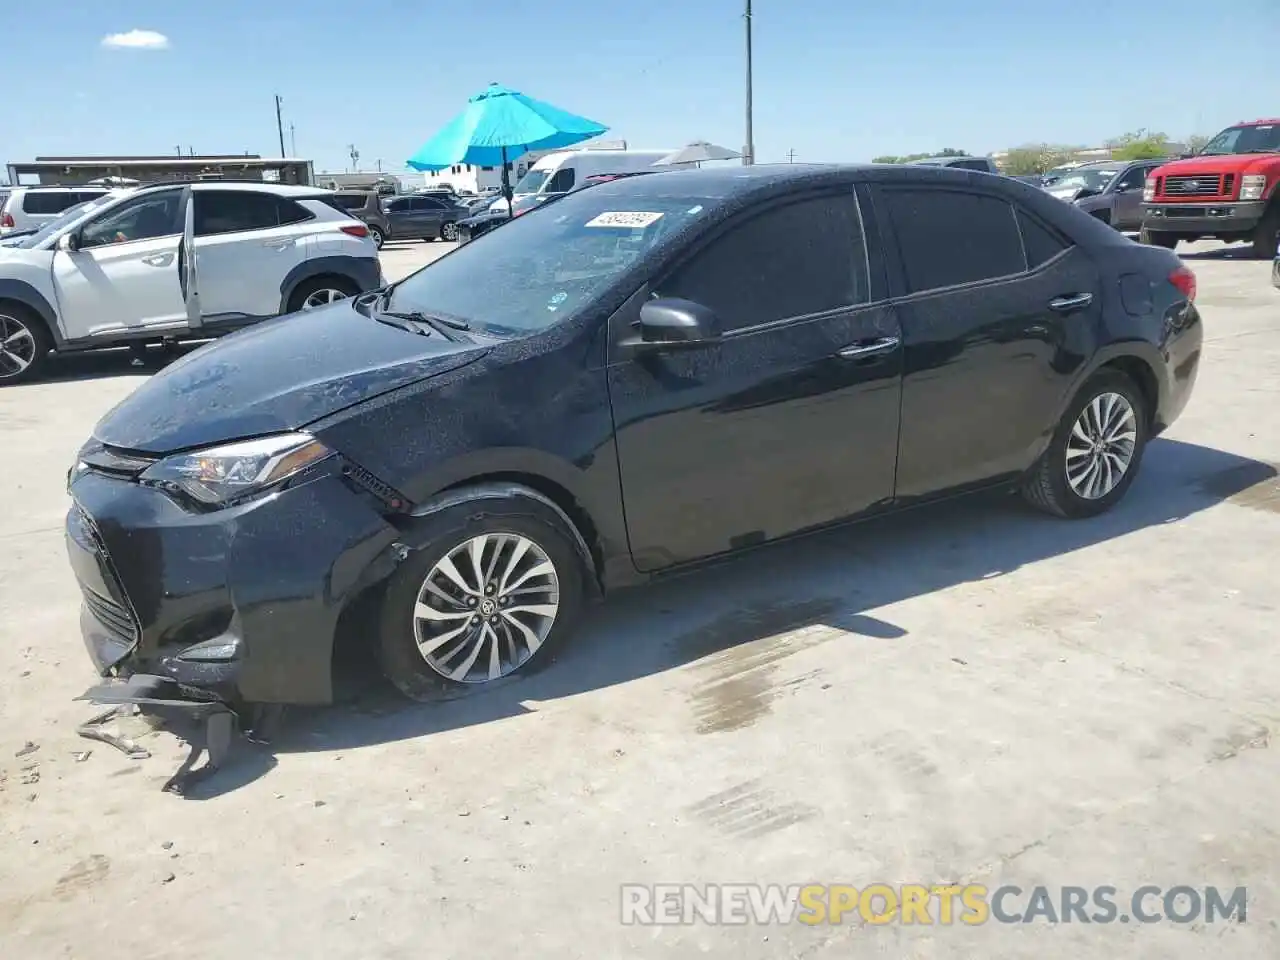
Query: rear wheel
(1095, 452)
(24, 344)
(497, 587)
(449, 232)
(1266, 236)
(320, 292)
(379, 238)
(1157, 238)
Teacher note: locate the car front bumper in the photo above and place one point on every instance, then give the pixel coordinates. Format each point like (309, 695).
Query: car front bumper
(242, 602)
(1209, 218)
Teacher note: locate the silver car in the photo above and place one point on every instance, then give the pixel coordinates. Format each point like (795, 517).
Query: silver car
(1110, 190)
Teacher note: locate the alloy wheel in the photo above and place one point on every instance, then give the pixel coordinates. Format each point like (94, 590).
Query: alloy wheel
(322, 298)
(450, 231)
(486, 607)
(17, 346)
(1101, 445)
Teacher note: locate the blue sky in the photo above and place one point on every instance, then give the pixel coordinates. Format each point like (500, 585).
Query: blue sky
(835, 80)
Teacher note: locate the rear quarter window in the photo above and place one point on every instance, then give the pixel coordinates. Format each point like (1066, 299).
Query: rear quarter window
(45, 202)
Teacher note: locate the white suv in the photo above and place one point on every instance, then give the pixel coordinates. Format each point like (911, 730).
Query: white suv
(30, 208)
(186, 261)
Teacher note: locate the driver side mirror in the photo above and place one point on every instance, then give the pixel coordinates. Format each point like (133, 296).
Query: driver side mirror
(674, 324)
(69, 242)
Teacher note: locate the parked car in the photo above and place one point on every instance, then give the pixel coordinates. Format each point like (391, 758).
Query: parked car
(118, 272)
(1110, 191)
(638, 377)
(366, 206)
(558, 173)
(981, 164)
(1229, 191)
(423, 217)
(480, 223)
(30, 208)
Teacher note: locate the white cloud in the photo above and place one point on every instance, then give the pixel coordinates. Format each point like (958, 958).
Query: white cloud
(137, 40)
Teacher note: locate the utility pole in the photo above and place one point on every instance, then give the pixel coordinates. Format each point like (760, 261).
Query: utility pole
(279, 125)
(749, 148)
(293, 141)
(791, 155)
(379, 166)
(179, 149)
(354, 154)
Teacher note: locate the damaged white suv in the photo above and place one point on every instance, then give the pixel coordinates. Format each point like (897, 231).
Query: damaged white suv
(184, 261)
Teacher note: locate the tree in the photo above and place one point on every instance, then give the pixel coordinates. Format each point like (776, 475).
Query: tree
(1140, 144)
(1196, 142)
(1031, 158)
(910, 157)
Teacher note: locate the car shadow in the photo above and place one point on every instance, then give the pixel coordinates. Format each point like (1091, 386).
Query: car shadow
(833, 579)
(1239, 251)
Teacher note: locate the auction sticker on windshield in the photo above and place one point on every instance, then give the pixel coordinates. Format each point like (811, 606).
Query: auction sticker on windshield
(619, 218)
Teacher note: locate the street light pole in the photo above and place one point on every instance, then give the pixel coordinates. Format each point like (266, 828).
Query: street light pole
(279, 125)
(749, 148)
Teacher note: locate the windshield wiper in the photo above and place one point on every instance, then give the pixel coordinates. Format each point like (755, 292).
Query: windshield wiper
(441, 325)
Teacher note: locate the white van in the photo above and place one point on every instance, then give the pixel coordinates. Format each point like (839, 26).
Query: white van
(560, 172)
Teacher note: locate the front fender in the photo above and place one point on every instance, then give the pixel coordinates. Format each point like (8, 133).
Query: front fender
(26, 293)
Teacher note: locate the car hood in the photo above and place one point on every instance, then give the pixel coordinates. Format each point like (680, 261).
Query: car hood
(1064, 193)
(277, 376)
(1241, 163)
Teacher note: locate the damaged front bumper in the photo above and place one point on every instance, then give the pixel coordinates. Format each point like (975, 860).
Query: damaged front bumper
(238, 605)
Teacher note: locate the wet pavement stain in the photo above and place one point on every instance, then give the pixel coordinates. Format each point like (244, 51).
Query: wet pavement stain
(82, 876)
(750, 809)
(737, 679)
(1255, 485)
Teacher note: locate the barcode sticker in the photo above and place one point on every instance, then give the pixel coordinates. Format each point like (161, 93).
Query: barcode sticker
(620, 218)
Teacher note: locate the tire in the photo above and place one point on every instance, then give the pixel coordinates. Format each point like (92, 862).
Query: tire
(1047, 486)
(379, 238)
(452, 534)
(24, 343)
(1266, 236)
(449, 232)
(1156, 238)
(309, 290)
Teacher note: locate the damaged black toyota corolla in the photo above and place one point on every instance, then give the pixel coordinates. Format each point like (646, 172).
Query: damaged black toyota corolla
(644, 375)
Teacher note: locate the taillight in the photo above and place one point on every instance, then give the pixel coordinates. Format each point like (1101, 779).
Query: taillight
(356, 230)
(1185, 281)
(6, 220)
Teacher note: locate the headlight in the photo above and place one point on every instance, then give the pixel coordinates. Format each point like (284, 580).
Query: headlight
(1149, 189)
(1253, 186)
(223, 474)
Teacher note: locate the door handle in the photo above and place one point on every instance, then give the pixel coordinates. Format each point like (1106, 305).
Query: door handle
(158, 260)
(1075, 301)
(863, 349)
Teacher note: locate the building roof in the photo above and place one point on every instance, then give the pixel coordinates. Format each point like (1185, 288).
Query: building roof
(49, 163)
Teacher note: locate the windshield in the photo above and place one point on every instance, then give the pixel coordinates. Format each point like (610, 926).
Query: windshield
(1262, 138)
(1086, 179)
(543, 267)
(531, 182)
(64, 219)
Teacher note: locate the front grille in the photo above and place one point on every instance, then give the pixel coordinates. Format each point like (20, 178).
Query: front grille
(111, 615)
(1195, 185)
(115, 463)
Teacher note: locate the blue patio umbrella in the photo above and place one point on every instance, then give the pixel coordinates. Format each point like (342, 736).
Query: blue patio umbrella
(498, 126)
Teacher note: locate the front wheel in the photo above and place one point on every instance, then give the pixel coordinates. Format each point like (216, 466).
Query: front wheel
(1157, 238)
(497, 587)
(1266, 235)
(1095, 452)
(24, 344)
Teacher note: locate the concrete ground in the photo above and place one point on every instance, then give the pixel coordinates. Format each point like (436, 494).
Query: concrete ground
(970, 693)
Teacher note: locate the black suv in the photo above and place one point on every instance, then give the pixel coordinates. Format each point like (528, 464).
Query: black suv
(648, 374)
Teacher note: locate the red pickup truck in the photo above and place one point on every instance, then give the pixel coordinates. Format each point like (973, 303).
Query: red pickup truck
(1230, 191)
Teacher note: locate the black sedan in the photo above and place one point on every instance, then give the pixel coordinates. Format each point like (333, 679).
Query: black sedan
(649, 374)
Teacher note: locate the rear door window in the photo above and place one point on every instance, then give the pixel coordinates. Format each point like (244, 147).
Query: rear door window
(951, 237)
(793, 260)
(239, 211)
